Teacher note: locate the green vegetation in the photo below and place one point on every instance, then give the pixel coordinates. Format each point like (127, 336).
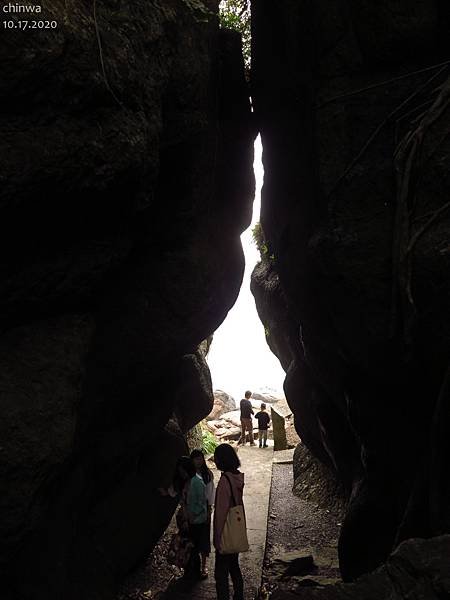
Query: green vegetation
(261, 243)
(200, 438)
(235, 14)
(209, 442)
(260, 240)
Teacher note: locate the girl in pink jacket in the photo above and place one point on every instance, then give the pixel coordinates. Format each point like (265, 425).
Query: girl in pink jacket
(227, 565)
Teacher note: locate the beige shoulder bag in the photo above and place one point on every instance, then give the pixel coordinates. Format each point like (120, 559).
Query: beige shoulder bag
(234, 534)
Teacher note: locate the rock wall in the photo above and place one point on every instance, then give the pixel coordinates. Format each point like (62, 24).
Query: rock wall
(126, 168)
(316, 483)
(353, 105)
(417, 570)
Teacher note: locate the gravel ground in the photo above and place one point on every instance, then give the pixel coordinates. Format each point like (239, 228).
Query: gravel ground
(296, 525)
(152, 577)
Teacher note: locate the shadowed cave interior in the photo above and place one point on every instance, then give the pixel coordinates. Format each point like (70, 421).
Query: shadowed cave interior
(126, 169)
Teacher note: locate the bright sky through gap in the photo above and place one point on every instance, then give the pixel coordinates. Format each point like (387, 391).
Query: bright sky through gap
(239, 358)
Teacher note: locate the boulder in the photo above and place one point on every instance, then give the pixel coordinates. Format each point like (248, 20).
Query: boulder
(194, 438)
(418, 570)
(194, 390)
(232, 433)
(315, 581)
(223, 403)
(256, 403)
(279, 429)
(267, 398)
(294, 562)
(228, 426)
(233, 417)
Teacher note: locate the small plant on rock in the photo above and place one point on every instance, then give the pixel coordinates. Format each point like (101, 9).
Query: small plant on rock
(260, 241)
(209, 442)
(235, 14)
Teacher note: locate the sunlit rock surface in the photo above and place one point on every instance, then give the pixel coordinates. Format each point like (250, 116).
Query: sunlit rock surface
(223, 403)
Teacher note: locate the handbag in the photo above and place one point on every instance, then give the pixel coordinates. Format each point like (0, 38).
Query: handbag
(234, 534)
(182, 520)
(181, 545)
(180, 550)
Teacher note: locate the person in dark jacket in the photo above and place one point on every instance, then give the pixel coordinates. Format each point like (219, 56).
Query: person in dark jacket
(246, 419)
(263, 425)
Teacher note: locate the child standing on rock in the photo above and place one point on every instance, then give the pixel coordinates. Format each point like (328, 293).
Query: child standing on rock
(263, 424)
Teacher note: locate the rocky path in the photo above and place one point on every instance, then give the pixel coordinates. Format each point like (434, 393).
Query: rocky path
(256, 463)
(293, 541)
(301, 538)
(257, 466)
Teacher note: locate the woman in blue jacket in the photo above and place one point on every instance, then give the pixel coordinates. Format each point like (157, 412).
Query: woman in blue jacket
(198, 517)
(204, 530)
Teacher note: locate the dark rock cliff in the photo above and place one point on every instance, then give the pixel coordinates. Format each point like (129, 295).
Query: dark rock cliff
(417, 570)
(126, 170)
(353, 105)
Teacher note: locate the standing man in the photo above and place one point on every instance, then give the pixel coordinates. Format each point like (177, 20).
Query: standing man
(246, 419)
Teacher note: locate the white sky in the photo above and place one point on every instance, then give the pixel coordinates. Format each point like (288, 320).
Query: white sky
(239, 358)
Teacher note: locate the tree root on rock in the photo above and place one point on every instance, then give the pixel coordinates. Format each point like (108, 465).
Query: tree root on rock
(407, 162)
